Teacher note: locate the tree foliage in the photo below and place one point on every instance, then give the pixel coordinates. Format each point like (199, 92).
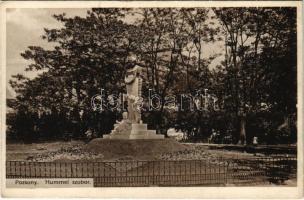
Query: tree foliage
(257, 77)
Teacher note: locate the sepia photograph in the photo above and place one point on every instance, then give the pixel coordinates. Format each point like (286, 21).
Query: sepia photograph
(152, 97)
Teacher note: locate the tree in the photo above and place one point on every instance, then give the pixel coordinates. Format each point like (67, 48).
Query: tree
(80, 64)
(248, 34)
(170, 48)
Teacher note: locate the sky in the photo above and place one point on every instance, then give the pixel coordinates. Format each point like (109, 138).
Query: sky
(24, 27)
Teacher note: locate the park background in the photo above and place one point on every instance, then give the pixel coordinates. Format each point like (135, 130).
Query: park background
(247, 57)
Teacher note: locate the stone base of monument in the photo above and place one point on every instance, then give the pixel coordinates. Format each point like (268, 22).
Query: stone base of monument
(132, 132)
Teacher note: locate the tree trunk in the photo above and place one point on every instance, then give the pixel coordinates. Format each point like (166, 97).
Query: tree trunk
(242, 138)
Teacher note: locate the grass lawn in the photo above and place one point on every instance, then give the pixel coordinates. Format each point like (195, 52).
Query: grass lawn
(26, 151)
(135, 163)
(74, 150)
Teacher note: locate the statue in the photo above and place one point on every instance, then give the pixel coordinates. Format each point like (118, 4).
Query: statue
(123, 125)
(133, 82)
(131, 127)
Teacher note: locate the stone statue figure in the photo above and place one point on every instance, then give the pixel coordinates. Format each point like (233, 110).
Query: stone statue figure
(131, 127)
(133, 83)
(123, 125)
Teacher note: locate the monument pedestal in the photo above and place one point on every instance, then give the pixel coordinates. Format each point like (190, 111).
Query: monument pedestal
(135, 131)
(131, 127)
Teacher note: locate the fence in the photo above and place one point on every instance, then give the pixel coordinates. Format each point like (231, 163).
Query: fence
(162, 173)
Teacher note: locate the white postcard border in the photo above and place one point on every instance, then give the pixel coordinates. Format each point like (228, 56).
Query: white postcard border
(156, 192)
